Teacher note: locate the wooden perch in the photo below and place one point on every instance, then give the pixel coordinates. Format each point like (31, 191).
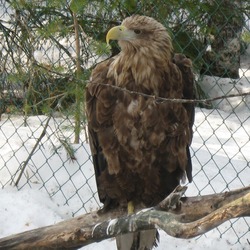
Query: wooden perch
(182, 218)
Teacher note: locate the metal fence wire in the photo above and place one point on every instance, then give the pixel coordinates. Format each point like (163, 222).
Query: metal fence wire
(43, 128)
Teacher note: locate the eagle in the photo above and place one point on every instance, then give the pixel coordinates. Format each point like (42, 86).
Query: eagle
(139, 139)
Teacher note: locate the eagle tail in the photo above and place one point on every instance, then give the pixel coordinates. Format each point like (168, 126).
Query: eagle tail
(143, 240)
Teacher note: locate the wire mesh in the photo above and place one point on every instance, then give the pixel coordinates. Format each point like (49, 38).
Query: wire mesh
(40, 84)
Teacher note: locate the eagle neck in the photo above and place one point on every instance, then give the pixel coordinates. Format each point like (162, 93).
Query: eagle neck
(141, 68)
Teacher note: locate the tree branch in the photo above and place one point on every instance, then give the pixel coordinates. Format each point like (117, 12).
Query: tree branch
(24, 165)
(179, 229)
(179, 221)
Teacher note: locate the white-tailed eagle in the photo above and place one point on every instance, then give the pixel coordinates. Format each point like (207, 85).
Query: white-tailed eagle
(140, 145)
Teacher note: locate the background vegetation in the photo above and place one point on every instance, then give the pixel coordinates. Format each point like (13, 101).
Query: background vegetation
(49, 47)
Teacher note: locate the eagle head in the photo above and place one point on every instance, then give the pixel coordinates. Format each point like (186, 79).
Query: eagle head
(141, 31)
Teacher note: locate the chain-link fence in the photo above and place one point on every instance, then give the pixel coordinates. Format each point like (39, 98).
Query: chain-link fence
(43, 72)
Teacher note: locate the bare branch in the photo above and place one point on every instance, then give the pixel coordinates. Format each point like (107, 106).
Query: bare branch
(184, 222)
(234, 209)
(24, 165)
(173, 200)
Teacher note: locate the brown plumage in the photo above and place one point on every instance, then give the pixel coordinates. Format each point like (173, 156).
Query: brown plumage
(140, 146)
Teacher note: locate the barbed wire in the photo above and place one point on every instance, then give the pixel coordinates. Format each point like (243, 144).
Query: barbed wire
(176, 100)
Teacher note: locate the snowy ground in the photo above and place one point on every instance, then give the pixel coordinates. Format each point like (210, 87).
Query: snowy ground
(54, 174)
(32, 208)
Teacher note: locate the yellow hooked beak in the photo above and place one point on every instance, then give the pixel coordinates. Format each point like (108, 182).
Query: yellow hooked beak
(118, 33)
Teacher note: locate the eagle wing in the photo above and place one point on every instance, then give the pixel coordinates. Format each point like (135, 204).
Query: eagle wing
(185, 66)
(100, 101)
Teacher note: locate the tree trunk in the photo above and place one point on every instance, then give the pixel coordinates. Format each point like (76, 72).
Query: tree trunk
(225, 23)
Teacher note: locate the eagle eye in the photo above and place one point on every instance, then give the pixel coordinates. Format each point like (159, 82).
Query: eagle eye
(137, 31)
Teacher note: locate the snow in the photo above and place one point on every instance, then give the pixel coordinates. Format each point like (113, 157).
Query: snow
(19, 210)
(55, 187)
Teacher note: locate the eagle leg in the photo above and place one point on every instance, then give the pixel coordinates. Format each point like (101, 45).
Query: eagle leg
(130, 207)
